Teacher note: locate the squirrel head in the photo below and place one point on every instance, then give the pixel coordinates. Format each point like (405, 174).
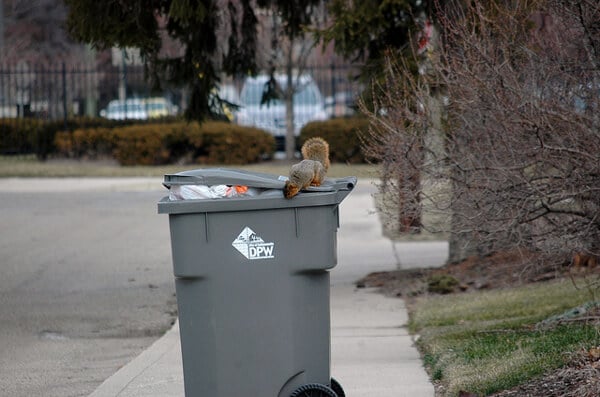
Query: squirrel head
(290, 190)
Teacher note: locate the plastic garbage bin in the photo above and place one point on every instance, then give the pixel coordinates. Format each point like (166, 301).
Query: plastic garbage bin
(252, 283)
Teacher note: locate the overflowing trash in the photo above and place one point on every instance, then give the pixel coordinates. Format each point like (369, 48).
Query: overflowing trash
(195, 192)
(219, 183)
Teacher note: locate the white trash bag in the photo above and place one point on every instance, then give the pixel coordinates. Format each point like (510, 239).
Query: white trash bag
(195, 192)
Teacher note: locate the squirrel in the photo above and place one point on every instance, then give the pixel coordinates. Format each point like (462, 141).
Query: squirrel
(312, 170)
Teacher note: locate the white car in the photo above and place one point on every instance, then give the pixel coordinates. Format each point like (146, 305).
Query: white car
(342, 104)
(158, 107)
(308, 105)
(129, 109)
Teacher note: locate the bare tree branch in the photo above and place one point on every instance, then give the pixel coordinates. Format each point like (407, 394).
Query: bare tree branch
(517, 163)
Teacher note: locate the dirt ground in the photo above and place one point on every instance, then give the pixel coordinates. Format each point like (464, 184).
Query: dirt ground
(581, 378)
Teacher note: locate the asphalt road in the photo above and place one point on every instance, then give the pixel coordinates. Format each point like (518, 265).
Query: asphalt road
(85, 283)
(86, 279)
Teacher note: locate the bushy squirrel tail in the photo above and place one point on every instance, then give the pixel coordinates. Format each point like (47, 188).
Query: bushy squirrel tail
(316, 149)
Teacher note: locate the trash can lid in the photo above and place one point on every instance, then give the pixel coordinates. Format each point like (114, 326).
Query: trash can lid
(331, 192)
(225, 176)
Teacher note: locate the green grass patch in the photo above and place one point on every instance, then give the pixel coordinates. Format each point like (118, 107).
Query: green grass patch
(484, 342)
(29, 166)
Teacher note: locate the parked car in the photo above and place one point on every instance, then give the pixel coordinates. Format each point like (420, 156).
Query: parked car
(271, 116)
(159, 107)
(342, 104)
(129, 109)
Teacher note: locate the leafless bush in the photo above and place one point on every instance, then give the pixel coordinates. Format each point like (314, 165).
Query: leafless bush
(396, 141)
(505, 118)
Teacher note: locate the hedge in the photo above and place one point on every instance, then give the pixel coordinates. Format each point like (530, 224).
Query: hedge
(30, 135)
(225, 143)
(18, 136)
(343, 136)
(177, 141)
(162, 143)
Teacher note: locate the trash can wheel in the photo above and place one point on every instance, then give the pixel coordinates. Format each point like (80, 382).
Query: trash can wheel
(337, 388)
(313, 390)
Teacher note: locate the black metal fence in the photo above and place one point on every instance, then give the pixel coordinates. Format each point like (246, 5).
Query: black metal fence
(38, 101)
(58, 92)
(61, 91)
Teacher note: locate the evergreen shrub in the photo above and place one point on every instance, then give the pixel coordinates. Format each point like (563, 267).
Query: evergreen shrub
(343, 136)
(211, 142)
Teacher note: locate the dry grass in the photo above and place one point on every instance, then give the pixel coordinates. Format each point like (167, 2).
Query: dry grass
(29, 166)
(484, 342)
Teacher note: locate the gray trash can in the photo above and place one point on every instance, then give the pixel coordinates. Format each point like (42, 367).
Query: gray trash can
(252, 283)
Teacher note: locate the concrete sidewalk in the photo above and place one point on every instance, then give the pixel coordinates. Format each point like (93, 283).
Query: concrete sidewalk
(372, 353)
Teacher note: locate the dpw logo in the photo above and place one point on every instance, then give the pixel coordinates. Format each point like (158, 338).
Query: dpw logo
(252, 246)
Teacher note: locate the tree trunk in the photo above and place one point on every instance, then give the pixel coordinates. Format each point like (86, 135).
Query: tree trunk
(290, 137)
